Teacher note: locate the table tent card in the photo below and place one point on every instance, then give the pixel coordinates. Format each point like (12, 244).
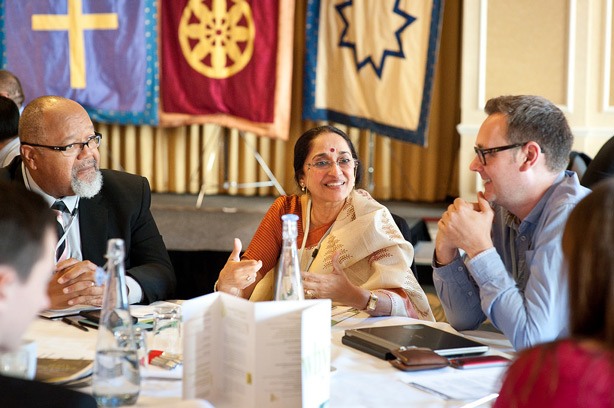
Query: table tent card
(256, 354)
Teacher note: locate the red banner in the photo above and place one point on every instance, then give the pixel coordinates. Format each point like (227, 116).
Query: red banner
(227, 62)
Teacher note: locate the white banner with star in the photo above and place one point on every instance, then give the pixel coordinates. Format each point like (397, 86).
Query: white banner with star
(370, 64)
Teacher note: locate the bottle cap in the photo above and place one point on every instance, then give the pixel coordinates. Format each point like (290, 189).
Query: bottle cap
(289, 229)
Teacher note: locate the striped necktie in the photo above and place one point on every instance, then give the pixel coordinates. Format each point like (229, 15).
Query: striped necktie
(59, 208)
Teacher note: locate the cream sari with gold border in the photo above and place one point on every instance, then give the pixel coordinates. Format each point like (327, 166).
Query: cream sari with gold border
(373, 254)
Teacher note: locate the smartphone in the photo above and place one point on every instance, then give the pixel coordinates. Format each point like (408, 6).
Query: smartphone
(94, 316)
(479, 362)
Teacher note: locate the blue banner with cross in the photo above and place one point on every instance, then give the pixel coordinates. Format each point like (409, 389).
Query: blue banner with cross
(100, 53)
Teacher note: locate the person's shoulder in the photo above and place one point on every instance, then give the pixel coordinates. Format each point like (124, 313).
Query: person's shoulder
(9, 172)
(120, 176)
(286, 202)
(119, 180)
(363, 203)
(564, 351)
(571, 188)
(566, 194)
(287, 199)
(542, 354)
(25, 393)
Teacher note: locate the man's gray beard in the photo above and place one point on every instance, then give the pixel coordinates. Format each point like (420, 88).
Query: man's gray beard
(86, 189)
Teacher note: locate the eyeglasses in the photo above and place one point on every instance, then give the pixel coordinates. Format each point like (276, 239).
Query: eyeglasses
(343, 163)
(73, 148)
(483, 152)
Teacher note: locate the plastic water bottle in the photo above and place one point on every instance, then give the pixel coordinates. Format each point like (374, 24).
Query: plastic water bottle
(116, 379)
(288, 285)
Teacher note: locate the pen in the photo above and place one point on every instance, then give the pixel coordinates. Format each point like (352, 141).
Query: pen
(431, 390)
(481, 401)
(75, 324)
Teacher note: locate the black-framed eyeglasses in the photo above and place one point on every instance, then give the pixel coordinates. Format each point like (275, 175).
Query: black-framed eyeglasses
(73, 148)
(481, 153)
(343, 163)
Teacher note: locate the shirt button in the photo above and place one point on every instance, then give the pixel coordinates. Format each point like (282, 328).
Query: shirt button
(460, 268)
(523, 238)
(469, 293)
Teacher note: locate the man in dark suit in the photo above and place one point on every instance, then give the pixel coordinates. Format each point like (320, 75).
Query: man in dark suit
(59, 160)
(27, 244)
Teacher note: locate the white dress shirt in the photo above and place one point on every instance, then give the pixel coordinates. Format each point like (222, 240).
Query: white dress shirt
(72, 232)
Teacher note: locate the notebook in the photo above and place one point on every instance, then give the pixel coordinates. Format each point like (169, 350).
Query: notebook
(378, 341)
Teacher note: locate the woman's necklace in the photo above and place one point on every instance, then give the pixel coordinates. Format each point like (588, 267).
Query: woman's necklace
(306, 233)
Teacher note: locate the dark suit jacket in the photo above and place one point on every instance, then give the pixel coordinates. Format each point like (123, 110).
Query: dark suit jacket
(33, 394)
(121, 210)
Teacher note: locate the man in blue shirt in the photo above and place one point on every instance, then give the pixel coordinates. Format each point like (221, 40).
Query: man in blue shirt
(512, 271)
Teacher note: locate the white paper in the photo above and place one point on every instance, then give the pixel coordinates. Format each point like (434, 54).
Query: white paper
(199, 344)
(315, 356)
(52, 341)
(240, 353)
(69, 311)
(341, 313)
(461, 385)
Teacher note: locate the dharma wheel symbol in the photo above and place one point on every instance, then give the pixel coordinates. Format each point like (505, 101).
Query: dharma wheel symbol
(218, 42)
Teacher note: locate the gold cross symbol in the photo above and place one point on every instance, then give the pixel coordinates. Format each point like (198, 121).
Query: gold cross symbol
(75, 22)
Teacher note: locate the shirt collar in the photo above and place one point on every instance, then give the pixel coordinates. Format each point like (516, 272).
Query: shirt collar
(536, 212)
(71, 202)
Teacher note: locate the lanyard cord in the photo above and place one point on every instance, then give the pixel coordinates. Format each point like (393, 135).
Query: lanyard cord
(306, 233)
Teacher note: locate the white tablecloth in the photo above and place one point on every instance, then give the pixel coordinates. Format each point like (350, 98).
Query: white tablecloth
(357, 379)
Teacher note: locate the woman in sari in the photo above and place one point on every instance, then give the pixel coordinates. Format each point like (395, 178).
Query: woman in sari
(351, 250)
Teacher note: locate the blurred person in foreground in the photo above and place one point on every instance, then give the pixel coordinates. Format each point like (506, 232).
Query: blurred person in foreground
(27, 244)
(351, 250)
(577, 371)
(512, 271)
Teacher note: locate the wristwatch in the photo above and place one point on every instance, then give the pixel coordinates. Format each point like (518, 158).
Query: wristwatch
(372, 303)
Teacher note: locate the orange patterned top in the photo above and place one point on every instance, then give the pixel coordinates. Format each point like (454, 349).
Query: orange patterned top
(266, 244)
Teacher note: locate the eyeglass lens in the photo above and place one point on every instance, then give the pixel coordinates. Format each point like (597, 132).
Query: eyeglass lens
(343, 163)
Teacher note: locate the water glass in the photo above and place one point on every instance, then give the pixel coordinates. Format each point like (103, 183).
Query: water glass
(140, 342)
(167, 330)
(116, 380)
(20, 363)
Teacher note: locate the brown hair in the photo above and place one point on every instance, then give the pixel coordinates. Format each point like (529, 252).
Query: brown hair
(588, 248)
(533, 118)
(24, 218)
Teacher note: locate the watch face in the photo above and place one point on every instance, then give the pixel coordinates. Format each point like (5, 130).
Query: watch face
(372, 302)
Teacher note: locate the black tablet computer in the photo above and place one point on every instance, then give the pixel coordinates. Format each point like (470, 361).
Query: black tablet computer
(378, 341)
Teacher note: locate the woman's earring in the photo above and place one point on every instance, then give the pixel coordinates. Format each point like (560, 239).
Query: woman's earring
(303, 188)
